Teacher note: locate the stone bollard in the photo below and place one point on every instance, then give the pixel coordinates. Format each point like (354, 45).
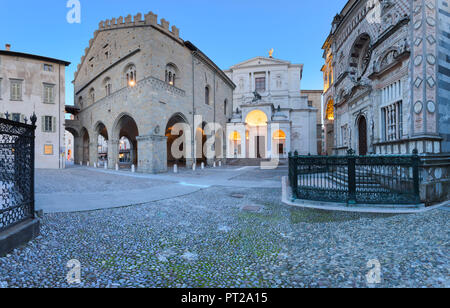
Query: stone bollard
(194, 166)
(133, 168)
(106, 166)
(81, 163)
(214, 165)
(203, 166)
(220, 164)
(87, 164)
(95, 165)
(175, 169)
(117, 167)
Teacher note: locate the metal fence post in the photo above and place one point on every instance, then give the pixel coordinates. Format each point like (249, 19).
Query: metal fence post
(295, 175)
(351, 177)
(416, 179)
(33, 124)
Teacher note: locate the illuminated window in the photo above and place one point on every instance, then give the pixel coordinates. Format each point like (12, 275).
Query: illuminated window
(131, 76)
(330, 111)
(48, 149)
(171, 74)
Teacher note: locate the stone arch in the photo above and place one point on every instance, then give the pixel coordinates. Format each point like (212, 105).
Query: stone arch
(101, 138)
(126, 126)
(257, 134)
(360, 55)
(362, 129)
(180, 148)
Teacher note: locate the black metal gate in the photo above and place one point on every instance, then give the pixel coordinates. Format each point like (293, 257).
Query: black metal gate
(356, 179)
(16, 172)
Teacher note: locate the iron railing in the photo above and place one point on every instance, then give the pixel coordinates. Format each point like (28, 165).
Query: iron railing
(16, 172)
(356, 179)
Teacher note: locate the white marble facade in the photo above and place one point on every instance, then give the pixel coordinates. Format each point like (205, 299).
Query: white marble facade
(270, 116)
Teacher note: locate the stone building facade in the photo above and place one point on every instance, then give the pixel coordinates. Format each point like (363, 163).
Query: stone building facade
(386, 85)
(32, 83)
(314, 98)
(137, 80)
(270, 116)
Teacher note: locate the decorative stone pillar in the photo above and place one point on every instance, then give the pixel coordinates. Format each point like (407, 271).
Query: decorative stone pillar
(113, 153)
(152, 154)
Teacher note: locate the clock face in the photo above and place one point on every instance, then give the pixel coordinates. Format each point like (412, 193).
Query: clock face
(418, 107)
(431, 107)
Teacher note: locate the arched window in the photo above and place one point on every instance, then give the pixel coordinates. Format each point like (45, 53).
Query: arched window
(92, 95)
(207, 96)
(330, 111)
(171, 74)
(108, 86)
(225, 107)
(360, 56)
(131, 75)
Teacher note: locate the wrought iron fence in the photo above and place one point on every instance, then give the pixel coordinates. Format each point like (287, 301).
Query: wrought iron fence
(16, 171)
(356, 179)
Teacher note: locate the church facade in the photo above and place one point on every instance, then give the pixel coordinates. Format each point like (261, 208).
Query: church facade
(139, 89)
(270, 115)
(387, 78)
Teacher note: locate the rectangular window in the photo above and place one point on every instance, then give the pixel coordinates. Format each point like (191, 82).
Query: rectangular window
(260, 84)
(16, 90)
(310, 103)
(392, 118)
(48, 93)
(48, 149)
(48, 124)
(48, 68)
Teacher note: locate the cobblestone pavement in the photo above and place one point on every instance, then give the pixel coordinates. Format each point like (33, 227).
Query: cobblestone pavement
(232, 237)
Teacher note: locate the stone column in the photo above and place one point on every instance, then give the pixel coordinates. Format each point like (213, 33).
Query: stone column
(113, 153)
(152, 154)
(93, 153)
(77, 149)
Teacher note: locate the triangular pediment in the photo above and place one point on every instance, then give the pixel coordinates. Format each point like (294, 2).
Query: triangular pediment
(258, 61)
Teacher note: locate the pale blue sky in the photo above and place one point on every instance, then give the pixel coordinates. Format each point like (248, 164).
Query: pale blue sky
(229, 32)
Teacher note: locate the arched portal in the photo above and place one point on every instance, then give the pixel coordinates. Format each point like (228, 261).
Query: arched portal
(176, 133)
(279, 143)
(235, 144)
(70, 147)
(85, 147)
(362, 135)
(256, 134)
(127, 127)
(102, 144)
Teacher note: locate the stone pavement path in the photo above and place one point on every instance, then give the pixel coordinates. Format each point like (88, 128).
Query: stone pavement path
(84, 189)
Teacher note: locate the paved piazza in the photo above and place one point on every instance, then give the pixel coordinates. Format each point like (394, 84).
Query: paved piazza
(234, 235)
